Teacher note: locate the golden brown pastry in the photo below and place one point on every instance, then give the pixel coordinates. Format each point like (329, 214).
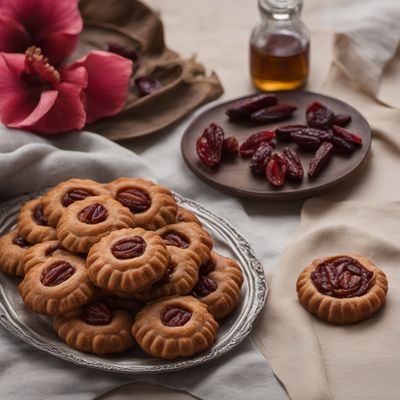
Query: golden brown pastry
(190, 237)
(153, 205)
(179, 279)
(184, 215)
(32, 224)
(175, 327)
(85, 222)
(96, 328)
(57, 286)
(128, 260)
(12, 250)
(342, 289)
(220, 280)
(57, 199)
(39, 253)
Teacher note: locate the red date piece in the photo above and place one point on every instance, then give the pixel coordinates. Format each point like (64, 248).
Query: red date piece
(260, 159)
(295, 169)
(341, 119)
(276, 113)
(319, 116)
(209, 145)
(147, 85)
(204, 287)
(38, 216)
(244, 108)
(276, 170)
(320, 159)
(230, 147)
(250, 145)
(306, 142)
(284, 133)
(342, 146)
(124, 51)
(323, 136)
(347, 135)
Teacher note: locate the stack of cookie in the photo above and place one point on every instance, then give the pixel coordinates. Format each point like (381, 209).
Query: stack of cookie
(92, 255)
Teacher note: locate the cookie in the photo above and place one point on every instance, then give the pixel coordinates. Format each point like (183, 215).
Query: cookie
(128, 260)
(220, 280)
(96, 328)
(57, 199)
(57, 286)
(175, 327)
(85, 222)
(33, 225)
(184, 215)
(342, 289)
(12, 251)
(152, 205)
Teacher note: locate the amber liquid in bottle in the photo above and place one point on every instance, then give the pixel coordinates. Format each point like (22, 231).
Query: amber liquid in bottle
(281, 64)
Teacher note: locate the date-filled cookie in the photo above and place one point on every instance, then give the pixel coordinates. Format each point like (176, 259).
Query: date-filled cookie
(153, 205)
(175, 327)
(33, 225)
(96, 328)
(342, 289)
(220, 280)
(128, 260)
(85, 222)
(57, 286)
(184, 215)
(57, 199)
(12, 251)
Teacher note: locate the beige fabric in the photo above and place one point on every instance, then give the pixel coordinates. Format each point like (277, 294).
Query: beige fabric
(186, 84)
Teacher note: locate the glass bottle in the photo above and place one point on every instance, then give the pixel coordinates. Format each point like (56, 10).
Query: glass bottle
(279, 47)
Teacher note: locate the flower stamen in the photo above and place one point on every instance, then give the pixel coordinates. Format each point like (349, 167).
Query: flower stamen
(38, 70)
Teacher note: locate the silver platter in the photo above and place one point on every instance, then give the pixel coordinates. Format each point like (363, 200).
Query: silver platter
(37, 330)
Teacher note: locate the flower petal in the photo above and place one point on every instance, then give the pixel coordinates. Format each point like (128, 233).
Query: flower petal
(108, 77)
(13, 36)
(67, 114)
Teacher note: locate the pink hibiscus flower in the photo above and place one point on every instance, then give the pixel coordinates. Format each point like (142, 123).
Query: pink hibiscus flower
(37, 97)
(52, 25)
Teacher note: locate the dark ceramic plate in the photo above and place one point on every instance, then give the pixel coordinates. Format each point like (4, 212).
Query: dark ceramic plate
(234, 177)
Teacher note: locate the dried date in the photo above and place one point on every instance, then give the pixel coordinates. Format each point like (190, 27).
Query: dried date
(124, 51)
(342, 146)
(260, 159)
(209, 145)
(320, 159)
(284, 133)
(147, 85)
(175, 316)
(304, 141)
(230, 147)
(204, 286)
(244, 108)
(276, 170)
(347, 135)
(276, 113)
(38, 216)
(250, 145)
(341, 119)
(295, 169)
(319, 116)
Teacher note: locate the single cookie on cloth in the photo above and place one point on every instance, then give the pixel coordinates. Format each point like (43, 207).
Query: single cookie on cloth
(57, 199)
(184, 215)
(190, 237)
(220, 280)
(175, 327)
(85, 222)
(32, 224)
(96, 328)
(179, 279)
(342, 289)
(57, 286)
(40, 253)
(12, 251)
(128, 260)
(153, 205)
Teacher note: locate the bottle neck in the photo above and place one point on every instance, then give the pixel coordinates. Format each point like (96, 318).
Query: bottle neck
(280, 10)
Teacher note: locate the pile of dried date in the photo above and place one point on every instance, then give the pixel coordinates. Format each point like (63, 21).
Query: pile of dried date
(324, 134)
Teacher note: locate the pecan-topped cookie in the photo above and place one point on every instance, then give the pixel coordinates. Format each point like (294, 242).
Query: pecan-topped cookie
(85, 222)
(57, 199)
(220, 280)
(57, 286)
(181, 275)
(152, 205)
(184, 215)
(40, 253)
(96, 328)
(189, 237)
(342, 289)
(175, 327)
(128, 260)
(33, 225)
(12, 250)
